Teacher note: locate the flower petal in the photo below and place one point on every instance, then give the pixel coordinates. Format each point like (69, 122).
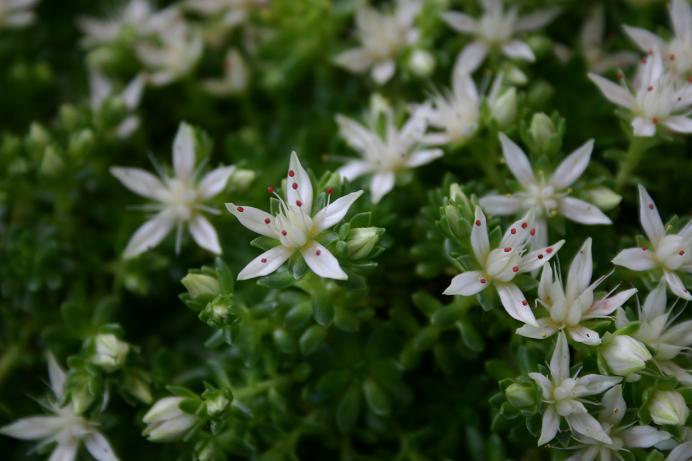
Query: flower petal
(535, 20)
(544, 384)
(33, 427)
(149, 234)
(266, 263)
(132, 93)
(587, 425)
(380, 185)
(643, 127)
(679, 124)
(99, 447)
(517, 49)
(322, 262)
(256, 220)
(423, 157)
(676, 285)
(459, 21)
(140, 182)
(298, 184)
(354, 169)
(517, 161)
(549, 426)
(595, 384)
(643, 437)
(614, 406)
(66, 451)
(383, 71)
(681, 17)
(545, 285)
(682, 452)
(606, 306)
(649, 217)
(356, 60)
(184, 152)
(581, 211)
(501, 205)
(559, 361)
(545, 329)
(57, 376)
(204, 234)
(572, 167)
(466, 284)
(479, 237)
(515, 303)
(613, 92)
(580, 271)
(471, 57)
(355, 134)
(584, 335)
(644, 39)
(335, 211)
(535, 259)
(215, 181)
(636, 259)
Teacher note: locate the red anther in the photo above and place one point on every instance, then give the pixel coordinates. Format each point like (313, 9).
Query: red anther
(654, 120)
(533, 231)
(671, 56)
(651, 206)
(650, 88)
(284, 233)
(270, 190)
(548, 250)
(294, 185)
(318, 252)
(240, 209)
(512, 231)
(299, 203)
(524, 225)
(645, 247)
(330, 190)
(483, 281)
(508, 249)
(267, 220)
(681, 252)
(689, 79)
(478, 222)
(515, 269)
(264, 260)
(291, 173)
(643, 60)
(524, 303)
(540, 256)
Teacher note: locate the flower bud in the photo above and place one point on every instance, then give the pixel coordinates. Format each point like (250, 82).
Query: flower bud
(51, 164)
(138, 387)
(110, 353)
(516, 76)
(241, 178)
(669, 408)
(201, 285)
(625, 355)
(166, 421)
(542, 128)
(81, 386)
(218, 312)
(38, 135)
(504, 108)
(81, 143)
(421, 63)
(216, 402)
(521, 395)
(362, 240)
(604, 198)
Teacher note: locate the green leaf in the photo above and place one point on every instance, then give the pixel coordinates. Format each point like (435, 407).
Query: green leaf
(376, 398)
(324, 311)
(348, 409)
(312, 339)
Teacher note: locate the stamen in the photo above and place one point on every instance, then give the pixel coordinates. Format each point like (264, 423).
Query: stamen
(681, 252)
(270, 190)
(330, 190)
(240, 209)
(671, 56)
(284, 233)
(645, 247)
(264, 260)
(524, 303)
(478, 222)
(515, 269)
(294, 185)
(267, 220)
(291, 173)
(548, 250)
(318, 252)
(654, 120)
(483, 281)
(650, 88)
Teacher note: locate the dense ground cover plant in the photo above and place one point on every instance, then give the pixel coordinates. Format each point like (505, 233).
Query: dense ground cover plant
(401, 230)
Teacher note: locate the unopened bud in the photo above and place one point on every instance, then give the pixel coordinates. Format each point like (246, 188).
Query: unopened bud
(201, 285)
(624, 355)
(166, 421)
(542, 128)
(669, 408)
(218, 312)
(362, 240)
(51, 164)
(109, 352)
(216, 402)
(241, 179)
(604, 198)
(521, 395)
(421, 63)
(504, 108)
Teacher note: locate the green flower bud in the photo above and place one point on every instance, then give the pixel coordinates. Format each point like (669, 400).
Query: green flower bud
(604, 198)
(521, 396)
(218, 312)
(216, 402)
(241, 179)
(504, 108)
(421, 63)
(669, 408)
(201, 285)
(624, 355)
(109, 352)
(516, 76)
(362, 240)
(81, 143)
(542, 128)
(166, 421)
(81, 391)
(69, 116)
(139, 387)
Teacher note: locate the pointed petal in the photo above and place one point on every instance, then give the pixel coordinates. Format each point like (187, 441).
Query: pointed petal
(584, 335)
(540, 240)
(517, 233)
(298, 184)
(356, 60)
(636, 259)
(335, 211)
(254, 219)
(644, 39)
(655, 302)
(681, 17)
(613, 92)
(479, 237)
(32, 427)
(355, 135)
(676, 285)
(535, 259)
(542, 331)
(501, 205)
(471, 57)
(682, 452)
(466, 284)
(643, 127)
(559, 362)
(266, 263)
(380, 185)
(546, 283)
(423, 157)
(517, 161)
(99, 447)
(643, 436)
(515, 303)
(679, 124)
(184, 152)
(581, 211)
(585, 424)
(549, 426)
(322, 262)
(204, 234)
(572, 167)
(649, 217)
(595, 384)
(516, 49)
(536, 20)
(383, 71)
(132, 93)
(215, 181)
(140, 182)
(57, 376)
(580, 271)
(66, 451)
(149, 234)
(606, 306)
(614, 406)
(459, 21)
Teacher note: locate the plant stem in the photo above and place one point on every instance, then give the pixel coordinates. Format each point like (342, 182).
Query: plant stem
(8, 360)
(631, 160)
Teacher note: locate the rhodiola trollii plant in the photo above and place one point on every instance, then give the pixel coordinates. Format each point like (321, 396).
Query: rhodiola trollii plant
(397, 229)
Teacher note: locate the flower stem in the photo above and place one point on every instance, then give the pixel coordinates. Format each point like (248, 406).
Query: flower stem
(629, 163)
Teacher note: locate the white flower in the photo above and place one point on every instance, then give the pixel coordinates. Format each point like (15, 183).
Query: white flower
(563, 394)
(669, 408)
(570, 307)
(591, 45)
(496, 30)
(64, 427)
(659, 98)
(624, 355)
(679, 50)
(102, 89)
(669, 252)
(545, 197)
(16, 13)
(166, 421)
(499, 266)
(383, 155)
(109, 352)
(232, 12)
(382, 36)
(295, 227)
(172, 55)
(622, 437)
(682, 452)
(180, 198)
(235, 76)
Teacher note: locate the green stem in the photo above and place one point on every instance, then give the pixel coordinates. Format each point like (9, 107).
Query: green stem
(634, 154)
(486, 161)
(8, 360)
(262, 386)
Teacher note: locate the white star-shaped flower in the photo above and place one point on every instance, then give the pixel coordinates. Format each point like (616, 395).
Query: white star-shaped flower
(179, 199)
(295, 227)
(383, 36)
(569, 307)
(545, 197)
(563, 397)
(499, 266)
(496, 30)
(657, 98)
(63, 427)
(15, 14)
(102, 88)
(622, 437)
(235, 76)
(383, 155)
(669, 252)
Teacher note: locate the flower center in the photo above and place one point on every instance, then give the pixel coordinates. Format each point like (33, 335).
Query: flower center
(181, 198)
(495, 28)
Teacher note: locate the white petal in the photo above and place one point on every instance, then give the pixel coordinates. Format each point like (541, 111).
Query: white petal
(676, 285)
(636, 259)
(501, 205)
(581, 211)
(679, 124)
(380, 185)
(356, 60)
(682, 452)
(335, 211)
(132, 93)
(580, 271)
(643, 436)
(215, 181)
(298, 176)
(140, 182)
(613, 92)
(322, 262)
(559, 361)
(655, 302)
(545, 329)
(643, 127)
(517, 49)
(383, 71)
(584, 335)
(66, 451)
(423, 157)
(515, 303)
(479, 237)
(644, 39)
(595, 384)
(681, 17)
(649, 217)
(355, 134)
(459, 21)
(535, 20)
(57, 376)
(99, 447)
(544, 384)
(204, 234)
(517, 233)
(184, 152)
(549, 426)
(540, 240)
(471, 57)
(466, 284)
(606, 306)
(32, 427)
(546, 283)
(354, 169)
(535, 259)
(149, 234)
(572, 167)
(614, 406)
(266, 263)
(585, 424)
(254, 219)
(517, 161)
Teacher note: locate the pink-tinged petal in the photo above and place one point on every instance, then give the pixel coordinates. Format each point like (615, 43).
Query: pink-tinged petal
(322, 262)
(298, 184)
(215, 181)
(149, 234)
(516, 49)
(606, 306)
(256, 220)
(356, 60)
(515, 303)
(643, 436)
(57, 377)
(380, 185)
(32, 427)
(581, 211)
(471, 57)
(66, 451)
(266, 263)
(516, 161)
(140, 182)
(535, 259)
(644, 39)
(595, 384)
(423, 157)
(676, 286)
(467, 284)
(355, 134)
(501, 205)
(587, 425)
(679, 124)
(184, 152)
(335, 211)
(536, 20)
(584, 335)
(204, 234)
(545, 329)
(459, 21)
(572, 167)
(613, 92)
(649, 217)
(99, 448)
(636, 259)
(643, 127)
(549, 425)
(479, 237)
(355, 169)
(559, 361)
(383, 71)
(681, 17)
(580, 271)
